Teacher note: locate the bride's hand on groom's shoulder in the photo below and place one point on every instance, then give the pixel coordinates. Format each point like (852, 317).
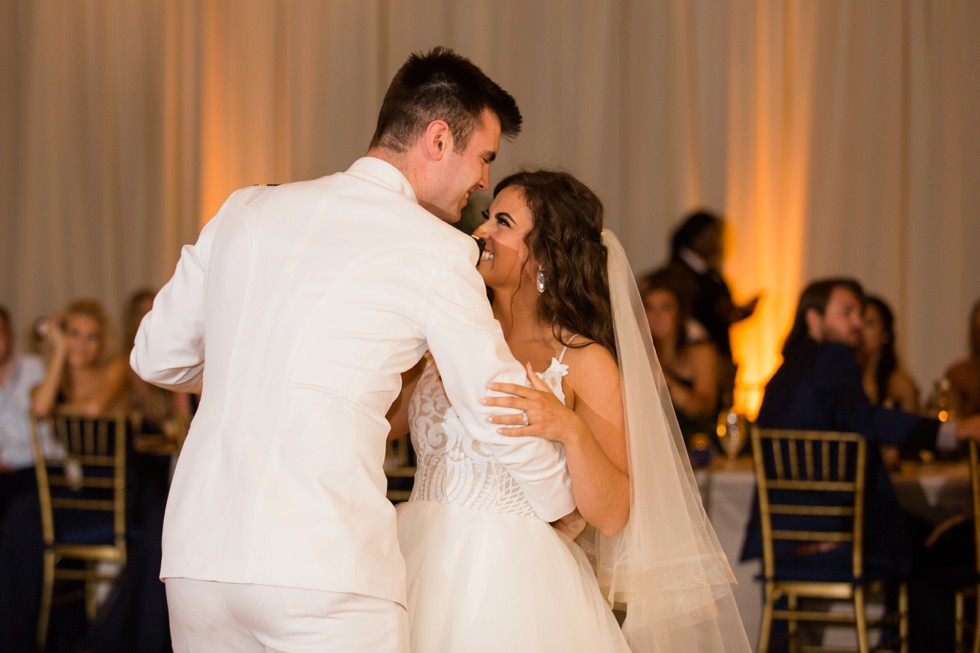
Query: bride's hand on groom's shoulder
(546, 416)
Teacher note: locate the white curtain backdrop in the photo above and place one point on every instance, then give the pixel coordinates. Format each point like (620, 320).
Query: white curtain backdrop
(837, 136)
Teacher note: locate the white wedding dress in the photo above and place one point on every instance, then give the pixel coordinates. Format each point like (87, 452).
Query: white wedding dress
(485, 574)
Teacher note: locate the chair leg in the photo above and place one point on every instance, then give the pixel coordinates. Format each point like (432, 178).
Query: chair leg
(91, 587)
(958, 602)
(860, 619)
(792, 625)
(47, 593)
(765, 628)
(976, 621)
(903, 617)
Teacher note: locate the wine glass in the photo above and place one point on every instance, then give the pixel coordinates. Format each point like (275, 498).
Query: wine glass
(733, 432)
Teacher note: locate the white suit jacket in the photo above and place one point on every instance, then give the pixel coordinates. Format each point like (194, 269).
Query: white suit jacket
(295, 313)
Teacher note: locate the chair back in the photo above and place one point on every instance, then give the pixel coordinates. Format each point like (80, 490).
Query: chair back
(88, 477)
(811, 491)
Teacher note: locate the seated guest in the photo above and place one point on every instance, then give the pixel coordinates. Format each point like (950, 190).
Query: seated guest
(690, 368)
(818, 387)
(83, 375)
(964, 375)
(948, 560)
(885, 382)
(18, 376)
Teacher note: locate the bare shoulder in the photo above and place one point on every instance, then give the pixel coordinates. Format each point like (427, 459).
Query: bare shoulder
(702, 351)
(591, 367)
(901, 383)
(594, 392)
(118, 366)
(962, 372)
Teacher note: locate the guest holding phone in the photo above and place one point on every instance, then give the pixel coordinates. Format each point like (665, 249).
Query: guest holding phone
(84, 373)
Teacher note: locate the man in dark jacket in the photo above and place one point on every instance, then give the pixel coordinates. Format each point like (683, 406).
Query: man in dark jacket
(818, 387)
(696, 252)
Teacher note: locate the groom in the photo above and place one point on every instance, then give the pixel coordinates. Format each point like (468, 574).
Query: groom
(295, 313)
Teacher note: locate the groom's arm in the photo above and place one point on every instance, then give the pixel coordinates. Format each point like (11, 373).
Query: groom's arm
(469, 348)
(169, 347)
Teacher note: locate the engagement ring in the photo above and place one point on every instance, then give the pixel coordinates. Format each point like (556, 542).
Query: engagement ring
(524, 417)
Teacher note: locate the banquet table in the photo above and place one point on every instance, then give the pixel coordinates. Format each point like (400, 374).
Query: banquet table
(933, 491)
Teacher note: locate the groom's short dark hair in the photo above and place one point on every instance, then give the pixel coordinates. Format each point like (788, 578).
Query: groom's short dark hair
(441, 85)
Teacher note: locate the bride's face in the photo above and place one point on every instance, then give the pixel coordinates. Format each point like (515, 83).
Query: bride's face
(509, 220)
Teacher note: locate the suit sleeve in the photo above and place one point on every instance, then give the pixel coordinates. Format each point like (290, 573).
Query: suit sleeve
(169, 346)
(839, 385)
(469, 348)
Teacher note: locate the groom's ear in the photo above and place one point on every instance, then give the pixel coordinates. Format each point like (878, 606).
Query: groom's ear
(438, 140)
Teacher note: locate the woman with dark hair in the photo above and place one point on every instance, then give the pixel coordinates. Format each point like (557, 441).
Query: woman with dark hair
(691, 369)
(484, 572)
(885, 382)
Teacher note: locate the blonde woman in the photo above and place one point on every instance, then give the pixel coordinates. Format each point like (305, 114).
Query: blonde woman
(84, 372)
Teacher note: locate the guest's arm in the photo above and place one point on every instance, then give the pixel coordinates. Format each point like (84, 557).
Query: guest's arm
(837, 378)
(701, 399)
(739, 313)
(44, 397)
(967, 428)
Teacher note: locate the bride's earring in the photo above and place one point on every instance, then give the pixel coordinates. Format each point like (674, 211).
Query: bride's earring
(541, 280)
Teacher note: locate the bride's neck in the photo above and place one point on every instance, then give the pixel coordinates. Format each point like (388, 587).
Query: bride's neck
(518, 317)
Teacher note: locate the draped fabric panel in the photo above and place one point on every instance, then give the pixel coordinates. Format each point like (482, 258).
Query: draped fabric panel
(837, 137)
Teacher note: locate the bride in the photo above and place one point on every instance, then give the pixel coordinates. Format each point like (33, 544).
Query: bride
(484, 573)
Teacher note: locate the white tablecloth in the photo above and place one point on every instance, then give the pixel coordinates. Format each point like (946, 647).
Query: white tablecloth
(933, 491)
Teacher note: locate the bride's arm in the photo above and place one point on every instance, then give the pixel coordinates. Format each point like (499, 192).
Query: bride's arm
(596, 451)
(592, 432)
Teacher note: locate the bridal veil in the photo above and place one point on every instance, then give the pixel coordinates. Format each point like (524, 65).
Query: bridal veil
(666, 565)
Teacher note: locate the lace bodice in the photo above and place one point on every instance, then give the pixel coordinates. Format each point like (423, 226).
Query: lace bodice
(453, 467)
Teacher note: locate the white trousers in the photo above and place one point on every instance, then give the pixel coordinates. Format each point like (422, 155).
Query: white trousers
(210, 617)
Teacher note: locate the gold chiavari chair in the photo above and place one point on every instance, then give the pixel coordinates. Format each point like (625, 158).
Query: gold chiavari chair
(972, 591)
(811, 494)
(82, 496)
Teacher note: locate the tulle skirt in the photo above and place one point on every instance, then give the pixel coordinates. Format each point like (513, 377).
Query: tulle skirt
(481, 582)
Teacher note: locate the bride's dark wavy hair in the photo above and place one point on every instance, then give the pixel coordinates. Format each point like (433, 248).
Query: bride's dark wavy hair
(566, 239)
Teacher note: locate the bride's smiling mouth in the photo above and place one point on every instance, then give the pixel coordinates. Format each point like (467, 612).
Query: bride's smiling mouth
(487, 255)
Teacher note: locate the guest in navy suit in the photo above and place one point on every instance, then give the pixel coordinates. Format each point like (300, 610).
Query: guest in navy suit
(818, 387)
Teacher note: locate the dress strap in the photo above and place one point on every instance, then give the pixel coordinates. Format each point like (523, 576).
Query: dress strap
(565, 348)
